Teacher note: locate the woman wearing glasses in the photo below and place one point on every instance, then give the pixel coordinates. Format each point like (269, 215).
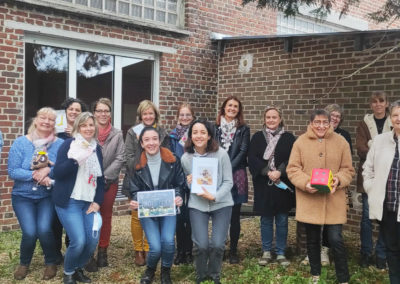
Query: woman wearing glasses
(234, 136)
(112, 148)
(321, 147)
(178, 137)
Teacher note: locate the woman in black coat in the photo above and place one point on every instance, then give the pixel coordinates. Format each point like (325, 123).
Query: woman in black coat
(269, 153)
(234, 136)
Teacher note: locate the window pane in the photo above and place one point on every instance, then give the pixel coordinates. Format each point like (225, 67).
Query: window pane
(172, 19)
(137, 1)
(111, 5)
(161, 4)
(149, 3)
(172, 6)
(136, 11)
(123, 8)
(82, 2)
(160, 16)
(148, 13)
(96, 4)
(46, 70)
(95, 72)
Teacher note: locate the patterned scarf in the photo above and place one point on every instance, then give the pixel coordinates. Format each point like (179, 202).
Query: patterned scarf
(228, 130)
(272, 137)
(42, 144)
(181, 130)
(103, 133)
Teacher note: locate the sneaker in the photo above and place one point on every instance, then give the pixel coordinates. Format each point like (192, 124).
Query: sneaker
(265, 259)
(380, 263)
(282, 260)
(233, 257)
(325, 256)
(314, 279)
(305, 261)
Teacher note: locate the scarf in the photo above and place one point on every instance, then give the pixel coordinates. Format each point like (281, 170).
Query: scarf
(228, 130)
(181, 130)
(272, 137)
(42, 144)
(103, 133)
(84, 153)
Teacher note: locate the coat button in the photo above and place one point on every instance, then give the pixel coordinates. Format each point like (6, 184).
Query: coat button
(320, 154)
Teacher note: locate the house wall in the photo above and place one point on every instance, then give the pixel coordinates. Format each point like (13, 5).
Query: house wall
(310, 77)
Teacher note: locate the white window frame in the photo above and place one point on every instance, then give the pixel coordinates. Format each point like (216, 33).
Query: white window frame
(74, 45)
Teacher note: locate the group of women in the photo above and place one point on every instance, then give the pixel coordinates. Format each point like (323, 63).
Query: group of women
(77, 187)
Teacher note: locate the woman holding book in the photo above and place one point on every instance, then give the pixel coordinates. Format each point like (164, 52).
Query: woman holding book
(234, 136)
(148, 115)
(157, 169)
(204, 205)
(178, 137)
(273, 193)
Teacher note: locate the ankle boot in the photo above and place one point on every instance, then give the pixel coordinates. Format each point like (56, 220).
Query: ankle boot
(140, 258)
(80, 277)
(147, 276)
(49, 272)
(180, 258)
(69, 279)
(91, 266)
(102, 257)
(166, 275)
(21, 272)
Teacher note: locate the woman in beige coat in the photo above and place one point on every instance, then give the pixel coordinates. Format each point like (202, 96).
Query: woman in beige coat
(320, 147)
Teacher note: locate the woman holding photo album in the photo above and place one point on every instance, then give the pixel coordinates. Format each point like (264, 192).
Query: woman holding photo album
(210, 197)
(157, 169)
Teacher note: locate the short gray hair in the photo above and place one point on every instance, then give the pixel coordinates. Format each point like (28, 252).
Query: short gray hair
(81, 119)
(394, 105)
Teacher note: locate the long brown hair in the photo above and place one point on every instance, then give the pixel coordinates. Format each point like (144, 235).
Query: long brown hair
(221, 112)
(212, 144)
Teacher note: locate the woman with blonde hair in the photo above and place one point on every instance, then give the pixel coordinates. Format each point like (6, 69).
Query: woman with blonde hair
(148, 115)
(78, 194)
(31, 197)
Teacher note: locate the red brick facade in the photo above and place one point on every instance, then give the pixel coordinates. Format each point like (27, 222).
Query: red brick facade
(192, 73)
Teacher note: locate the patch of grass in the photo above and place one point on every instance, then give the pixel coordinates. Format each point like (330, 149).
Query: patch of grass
(122, 269)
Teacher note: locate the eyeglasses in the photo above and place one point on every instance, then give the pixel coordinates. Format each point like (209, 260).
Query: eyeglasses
(321, 123)
(185, 115)
(102, 111)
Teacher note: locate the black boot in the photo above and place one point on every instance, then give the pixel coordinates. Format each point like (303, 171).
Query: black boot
(166, 275)
(91, 266)
(69, 279)
(233, 257)
(147, 276)
(102, 257)
(80, 277)
(180, 258)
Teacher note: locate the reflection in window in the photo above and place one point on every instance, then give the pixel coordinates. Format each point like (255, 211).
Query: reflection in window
(95, 72)
(46, 70)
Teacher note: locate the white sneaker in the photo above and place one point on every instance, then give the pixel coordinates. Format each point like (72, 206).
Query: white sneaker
(265, 259)
(325, 256)
(282, 260)
(305, 261)
(315, 279)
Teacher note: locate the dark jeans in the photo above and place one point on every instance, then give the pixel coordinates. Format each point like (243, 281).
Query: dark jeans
(208, 253)
(160, 232)
(335, 240)
(35, 217)
(184, 243)
(58, 233)
(234, 231)
(391, 236)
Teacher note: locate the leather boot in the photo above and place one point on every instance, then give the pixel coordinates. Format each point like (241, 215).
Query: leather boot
(69, 279)
(49, 272)
(21, 272)
(140, 258)
(166, 275)
(91, 266)
(80, 277)
(102, 257)
(147, 276)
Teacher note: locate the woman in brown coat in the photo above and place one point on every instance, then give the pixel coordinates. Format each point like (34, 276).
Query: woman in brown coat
(320, 147)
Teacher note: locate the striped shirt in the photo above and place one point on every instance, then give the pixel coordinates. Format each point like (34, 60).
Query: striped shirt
(393, 182)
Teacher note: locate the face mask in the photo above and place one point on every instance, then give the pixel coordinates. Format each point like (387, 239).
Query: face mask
(97, 222)
(283, 186)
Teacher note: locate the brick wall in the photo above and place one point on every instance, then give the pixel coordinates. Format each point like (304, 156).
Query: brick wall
(189, 75)
(300, 81)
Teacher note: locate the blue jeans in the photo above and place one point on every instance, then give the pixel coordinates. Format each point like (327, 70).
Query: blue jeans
(35, 217)
(207, 253)
(160, 233)
(366, 233)
(267, 232)
(83, 240)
